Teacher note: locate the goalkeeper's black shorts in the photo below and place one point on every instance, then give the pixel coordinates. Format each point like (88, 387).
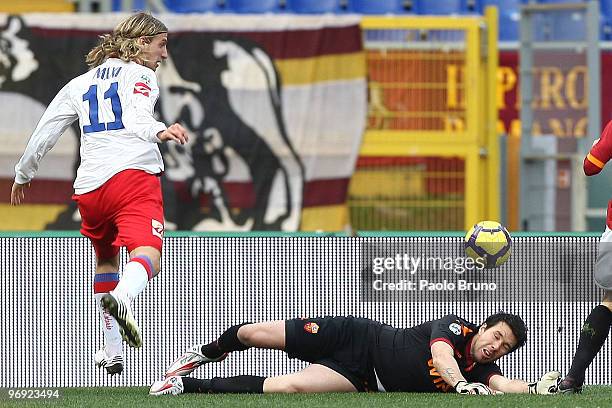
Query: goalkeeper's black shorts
(340, 343)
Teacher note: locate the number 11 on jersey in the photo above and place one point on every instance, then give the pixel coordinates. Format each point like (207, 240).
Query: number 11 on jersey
(91, 96)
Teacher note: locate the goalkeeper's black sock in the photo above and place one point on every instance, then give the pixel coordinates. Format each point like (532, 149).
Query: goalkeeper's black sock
(243, 384)
(191, 385)
(212, 350)
(592, 337)
(228, 341)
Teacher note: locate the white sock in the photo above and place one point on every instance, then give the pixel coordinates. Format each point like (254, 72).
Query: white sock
(133, 281)
(110, 328)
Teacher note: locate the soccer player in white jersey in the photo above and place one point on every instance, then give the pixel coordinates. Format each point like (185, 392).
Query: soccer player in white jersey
(117, 187)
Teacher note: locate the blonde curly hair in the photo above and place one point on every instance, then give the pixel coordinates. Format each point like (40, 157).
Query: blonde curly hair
(122, 42)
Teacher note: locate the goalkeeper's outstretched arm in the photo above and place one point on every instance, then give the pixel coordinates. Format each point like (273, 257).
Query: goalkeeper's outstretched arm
(547, 384)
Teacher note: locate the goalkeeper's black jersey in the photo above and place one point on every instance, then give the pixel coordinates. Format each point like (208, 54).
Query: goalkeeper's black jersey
(403, 362)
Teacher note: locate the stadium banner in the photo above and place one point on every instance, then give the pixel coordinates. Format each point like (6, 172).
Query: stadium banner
(50, 325)
(275, 107)
(560, 93)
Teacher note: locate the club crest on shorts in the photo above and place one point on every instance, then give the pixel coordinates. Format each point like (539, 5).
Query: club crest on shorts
(157, 228)
(311, 327)
(455, 328)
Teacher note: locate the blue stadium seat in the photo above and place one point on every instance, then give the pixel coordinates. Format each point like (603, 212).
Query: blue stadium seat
(605, 32)
(252, 6)
(568, 26)
(509, 26)
(444, 7)
(572, 27)
(606, 19)
(376, 6)
(502, 5)
(606, 8)
(559, 1)
(509, 12)
(312, 6)
(191, 6)
(561, 25)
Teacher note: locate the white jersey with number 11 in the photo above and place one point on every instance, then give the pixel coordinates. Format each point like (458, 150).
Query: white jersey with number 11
(114, 104)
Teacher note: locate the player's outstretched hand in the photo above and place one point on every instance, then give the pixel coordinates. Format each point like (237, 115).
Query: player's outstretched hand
(547, 384)
(18, 193)
(174, 132)
(473, 388)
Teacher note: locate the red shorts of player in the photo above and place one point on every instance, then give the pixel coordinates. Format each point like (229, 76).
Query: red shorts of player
(127, 211)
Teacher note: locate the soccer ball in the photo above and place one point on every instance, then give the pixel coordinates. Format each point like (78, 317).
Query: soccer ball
(490, 241)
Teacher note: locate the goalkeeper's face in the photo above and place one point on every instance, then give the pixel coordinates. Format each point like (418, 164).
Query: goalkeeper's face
(493, 342)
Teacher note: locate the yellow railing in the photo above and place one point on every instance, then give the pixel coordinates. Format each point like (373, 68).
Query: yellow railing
(32, 6)
(432, 96)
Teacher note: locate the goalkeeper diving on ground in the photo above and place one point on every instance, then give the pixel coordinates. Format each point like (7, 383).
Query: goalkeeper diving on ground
(349, 354)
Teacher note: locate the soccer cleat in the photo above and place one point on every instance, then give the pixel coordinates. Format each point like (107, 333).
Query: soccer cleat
(190, 360)
(112, 364)
(120, 309)
(569, 386)
(171, 385)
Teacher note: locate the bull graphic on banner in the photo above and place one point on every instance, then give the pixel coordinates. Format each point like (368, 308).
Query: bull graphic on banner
(230, 140)
(17, 61)
(239, 170)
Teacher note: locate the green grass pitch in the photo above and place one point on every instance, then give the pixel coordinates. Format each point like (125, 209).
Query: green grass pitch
(595, 396)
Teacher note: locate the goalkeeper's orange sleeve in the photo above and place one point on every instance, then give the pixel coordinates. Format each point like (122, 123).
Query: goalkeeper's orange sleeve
(600, 153)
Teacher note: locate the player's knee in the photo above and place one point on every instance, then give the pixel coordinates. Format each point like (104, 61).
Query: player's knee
(248, 334)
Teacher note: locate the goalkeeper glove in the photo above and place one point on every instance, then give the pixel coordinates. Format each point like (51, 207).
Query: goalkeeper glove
(464, 387)
(547, 384)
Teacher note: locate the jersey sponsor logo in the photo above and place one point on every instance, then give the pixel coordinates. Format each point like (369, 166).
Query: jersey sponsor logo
(157, 228)
(311, 327)
(455, 328)
(142, 88)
